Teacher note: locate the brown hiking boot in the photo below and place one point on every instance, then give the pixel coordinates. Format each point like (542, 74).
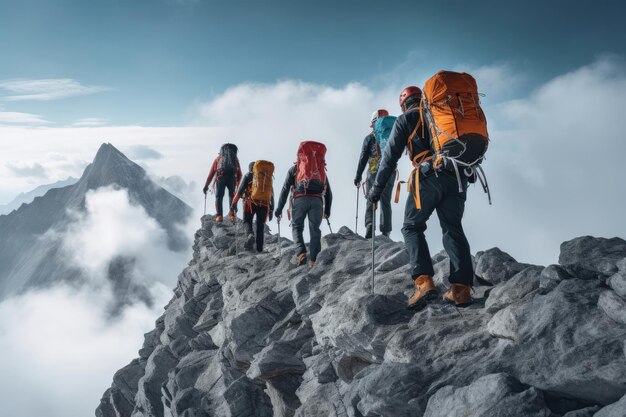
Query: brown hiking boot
(301, 259)
(311, 264)
(219, 219)
(425, 291)
(459, 295)
(231, 216)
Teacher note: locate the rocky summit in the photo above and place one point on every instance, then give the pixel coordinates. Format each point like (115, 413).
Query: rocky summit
(249, 334)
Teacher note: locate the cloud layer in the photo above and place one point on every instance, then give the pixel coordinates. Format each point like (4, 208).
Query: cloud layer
(46, 89)
(61, 345)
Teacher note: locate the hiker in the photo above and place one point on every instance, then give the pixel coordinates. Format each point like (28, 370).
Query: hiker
(311, 197)
(371, 151)
(257, 194)
(439, 189)
(227, 174)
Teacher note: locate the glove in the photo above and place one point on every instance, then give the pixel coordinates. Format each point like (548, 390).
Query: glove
(205, 189)
(357, 182)
(278, 214)
(373, 197)
(326, 216)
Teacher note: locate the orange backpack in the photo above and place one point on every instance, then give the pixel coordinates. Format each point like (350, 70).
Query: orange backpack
(261, 187)
(450, 109)
(458, 127)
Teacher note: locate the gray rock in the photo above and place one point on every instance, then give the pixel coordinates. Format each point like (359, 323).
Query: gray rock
(551, 276)
(148, 398)
(617, 409)
(515, 289)
(618, 283)
(255, 336)
(491, 395)
(275, 360)
(496, 266)
(590, 257)
(613, 306)
(583, 412)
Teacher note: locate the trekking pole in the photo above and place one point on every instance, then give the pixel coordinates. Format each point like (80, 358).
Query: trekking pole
(331, 229)
(356, 223)
(205, 204)
(236, 237)
(280, 249)
(373, 241)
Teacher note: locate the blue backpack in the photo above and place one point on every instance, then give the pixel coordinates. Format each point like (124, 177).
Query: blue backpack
(382, 130)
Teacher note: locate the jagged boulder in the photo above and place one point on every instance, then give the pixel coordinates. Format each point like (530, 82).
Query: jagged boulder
(491, 395)
(590, 257)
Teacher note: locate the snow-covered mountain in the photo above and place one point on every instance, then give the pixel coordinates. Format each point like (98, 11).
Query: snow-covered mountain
(28, 197)
(30, 258)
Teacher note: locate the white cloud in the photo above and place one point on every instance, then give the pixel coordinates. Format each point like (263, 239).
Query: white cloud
(90, 122)
(60, 349)
(60, 345)
(142, 152)
(17, 118)
(46, 89)
(112, 226)
(22, 169)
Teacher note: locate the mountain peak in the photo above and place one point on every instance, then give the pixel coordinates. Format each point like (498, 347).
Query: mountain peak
(110, 166)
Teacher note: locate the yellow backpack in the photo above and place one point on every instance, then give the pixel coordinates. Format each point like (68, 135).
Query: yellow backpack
(262, 174)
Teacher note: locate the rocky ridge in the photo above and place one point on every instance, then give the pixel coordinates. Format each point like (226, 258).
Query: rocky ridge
(249, 334)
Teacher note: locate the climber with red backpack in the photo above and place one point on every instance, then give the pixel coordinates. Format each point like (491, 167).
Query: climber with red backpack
(311, 197)
(227, 174)
(257, 194)
(444, 131)
(371, 151)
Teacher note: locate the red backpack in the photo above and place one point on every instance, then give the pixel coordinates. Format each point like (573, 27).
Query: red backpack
(311, 167)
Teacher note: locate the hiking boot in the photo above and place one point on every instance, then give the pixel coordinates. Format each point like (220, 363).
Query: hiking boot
(459, 295)
(219, 218)
(250, 240)
(301, 259)
(311, 264)
(425, 291)
(231, 216)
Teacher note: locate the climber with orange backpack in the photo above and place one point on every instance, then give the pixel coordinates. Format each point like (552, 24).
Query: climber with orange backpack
(444, 131)
(311, 197)
(227, 174)
(371, 151)
(257, 194)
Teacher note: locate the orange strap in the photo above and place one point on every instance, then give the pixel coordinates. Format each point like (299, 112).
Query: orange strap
(413, 183)
(397, 197)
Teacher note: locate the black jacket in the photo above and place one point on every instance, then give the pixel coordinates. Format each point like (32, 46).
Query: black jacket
(290, 185)
(243, 188)
(369, 150)
(402, 130)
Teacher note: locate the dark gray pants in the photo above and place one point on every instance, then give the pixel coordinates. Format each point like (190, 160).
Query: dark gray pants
(313, 208)
(385, 223)
(261, 215)
(221, 184)
(439, 193)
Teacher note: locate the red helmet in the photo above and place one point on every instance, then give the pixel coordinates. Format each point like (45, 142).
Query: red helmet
(378, 113)
(408, 92)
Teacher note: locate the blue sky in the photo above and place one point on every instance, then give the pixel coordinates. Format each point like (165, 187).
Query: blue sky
(150, 61)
